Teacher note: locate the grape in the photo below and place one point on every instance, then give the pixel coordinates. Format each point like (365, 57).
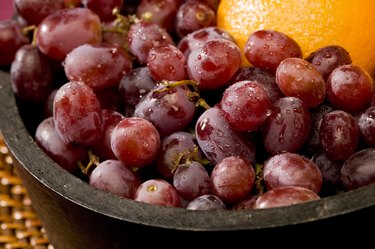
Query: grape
(11, 39)
(247, 203)
(213, 63)
(330, 171)
(169, 109)
(298, 78)
(359, 169)
(192, 16)
(350, 88)
(135, 142)
(166, 63)
(218, 140)
(160, 12)
(214, 4)
(114, 177)
(77, 114)
(245, 105)
(191, 180)
(97, 65)
(285, 196)
(232, 179)
(366, 125)
(267, 48)
(103, 8)
(176, 149)
(327, 58)
(206, 202)
(313, 143)
(262, 77)
(48, 104)
(102, 147)
(33, 12)
(193, 39)
(65, 155)
(288, 127)
(31, 74)
(65, 29)
(338, 135)
(115, 32)
(291, 169)
(133, 86)
(158, 192)
(143, 36)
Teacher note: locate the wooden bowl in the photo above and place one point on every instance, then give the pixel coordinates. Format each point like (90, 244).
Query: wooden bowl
(76, 215)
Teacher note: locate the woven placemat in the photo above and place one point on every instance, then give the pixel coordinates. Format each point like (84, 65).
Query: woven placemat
(19, 225)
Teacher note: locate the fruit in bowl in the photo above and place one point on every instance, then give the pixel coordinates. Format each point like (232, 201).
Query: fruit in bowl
(150, 124)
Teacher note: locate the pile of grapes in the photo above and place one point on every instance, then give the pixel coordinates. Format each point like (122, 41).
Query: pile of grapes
(150, 101)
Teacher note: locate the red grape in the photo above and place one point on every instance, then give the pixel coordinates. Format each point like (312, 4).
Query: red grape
(350, 88)
(97, 65)
(103, 8)
(191, 180)
(218, 140)
(135, 142)
(65, 155)
(267, 48)
(285, 196)
(298, 78)
(77, 114)
(114, 177)
(291, 169)
(359, 169)
(213, 63)
(327, 58)
(190, 41)
(102, 147)
(338, 135)
(33, 12)
(166, 63)
(158, 192)
(176, 149)
(162, 12)
(245, 105)
(65, 29)
(262, 77)
(232, 179)
(143, 36)
(169, 109)
(206, 202)
(31, 74)
(288, 127)
(366, 125)
(192, 16)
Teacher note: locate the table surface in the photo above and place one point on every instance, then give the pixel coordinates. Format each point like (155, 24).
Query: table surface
(20, 227)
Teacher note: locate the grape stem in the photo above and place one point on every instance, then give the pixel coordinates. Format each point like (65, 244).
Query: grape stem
(193, 95)
(93, 162)
(259, 178)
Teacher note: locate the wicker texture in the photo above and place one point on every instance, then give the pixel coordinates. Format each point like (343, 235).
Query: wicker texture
(19, 225)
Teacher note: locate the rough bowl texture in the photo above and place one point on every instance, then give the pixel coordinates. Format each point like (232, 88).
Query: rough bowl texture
(77, 216)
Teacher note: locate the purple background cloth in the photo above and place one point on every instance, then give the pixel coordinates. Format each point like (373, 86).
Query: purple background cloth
(6, 9)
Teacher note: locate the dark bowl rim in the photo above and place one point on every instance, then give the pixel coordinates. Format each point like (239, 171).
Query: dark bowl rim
(27, 153)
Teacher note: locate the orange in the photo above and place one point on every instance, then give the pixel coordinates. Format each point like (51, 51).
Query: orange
(313, 24)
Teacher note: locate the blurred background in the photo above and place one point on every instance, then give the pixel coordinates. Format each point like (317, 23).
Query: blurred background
(6, 9)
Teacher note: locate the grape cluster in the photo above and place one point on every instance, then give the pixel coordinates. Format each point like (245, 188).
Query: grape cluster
(149, 100)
